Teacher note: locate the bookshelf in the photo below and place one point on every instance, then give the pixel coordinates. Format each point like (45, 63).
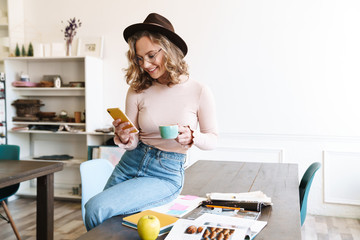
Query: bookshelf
(75, 142)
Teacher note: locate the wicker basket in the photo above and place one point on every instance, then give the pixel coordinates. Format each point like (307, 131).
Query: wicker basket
(27, 107)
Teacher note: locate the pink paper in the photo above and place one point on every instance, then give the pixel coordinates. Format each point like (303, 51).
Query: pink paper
(179, 207)
(189, 197)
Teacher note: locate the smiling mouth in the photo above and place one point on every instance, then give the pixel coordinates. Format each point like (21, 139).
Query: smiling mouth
(152, 70)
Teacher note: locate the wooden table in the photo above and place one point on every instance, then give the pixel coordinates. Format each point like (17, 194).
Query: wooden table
(12, 172)
(277, 180)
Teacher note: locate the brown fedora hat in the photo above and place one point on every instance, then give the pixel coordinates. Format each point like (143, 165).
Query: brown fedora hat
(156, 23)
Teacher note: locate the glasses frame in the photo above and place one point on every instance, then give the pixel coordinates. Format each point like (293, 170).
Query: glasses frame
(141, 60)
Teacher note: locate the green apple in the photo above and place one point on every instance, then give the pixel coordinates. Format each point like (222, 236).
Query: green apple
(148, 227)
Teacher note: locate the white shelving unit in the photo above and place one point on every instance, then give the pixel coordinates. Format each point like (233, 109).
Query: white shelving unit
(35, 143)
(40, 91)
(4, 33)
(3, 132)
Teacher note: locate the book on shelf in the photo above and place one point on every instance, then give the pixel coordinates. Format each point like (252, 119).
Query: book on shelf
(91, 151)
(215, 227)
(166, 221)
(181, 206)
(111, 153)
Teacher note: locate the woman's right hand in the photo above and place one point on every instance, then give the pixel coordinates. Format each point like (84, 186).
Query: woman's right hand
(122, 136)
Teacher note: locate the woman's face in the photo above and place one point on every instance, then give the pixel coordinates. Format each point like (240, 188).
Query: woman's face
(150, 58)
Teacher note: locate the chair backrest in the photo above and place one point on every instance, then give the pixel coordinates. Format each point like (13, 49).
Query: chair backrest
(304, 188)
(94, 175)
(9, 152)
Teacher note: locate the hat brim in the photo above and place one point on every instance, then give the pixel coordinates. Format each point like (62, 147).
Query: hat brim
(173, 37)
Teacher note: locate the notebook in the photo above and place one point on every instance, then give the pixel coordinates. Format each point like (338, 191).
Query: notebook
(181, 206)
(166, 221)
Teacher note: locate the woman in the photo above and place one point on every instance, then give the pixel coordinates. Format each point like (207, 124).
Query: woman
(151, 171)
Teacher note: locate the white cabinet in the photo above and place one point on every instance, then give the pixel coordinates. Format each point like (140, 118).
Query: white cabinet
(88, 100)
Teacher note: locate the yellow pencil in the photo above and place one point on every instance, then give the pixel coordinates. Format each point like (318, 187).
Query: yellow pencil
(232, 208)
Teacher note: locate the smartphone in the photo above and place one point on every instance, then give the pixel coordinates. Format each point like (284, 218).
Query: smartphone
(116, 113)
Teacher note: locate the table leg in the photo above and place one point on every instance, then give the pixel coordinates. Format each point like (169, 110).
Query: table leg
(45, 208)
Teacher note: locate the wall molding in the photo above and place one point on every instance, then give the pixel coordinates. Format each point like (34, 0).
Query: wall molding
(285, 137)
(339, 171)
(239, 154)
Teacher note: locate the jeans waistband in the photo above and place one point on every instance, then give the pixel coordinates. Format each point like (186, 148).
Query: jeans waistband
(158, 152)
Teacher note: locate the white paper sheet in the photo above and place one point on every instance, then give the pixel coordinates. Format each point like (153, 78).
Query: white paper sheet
(256, 196)
(179, 231)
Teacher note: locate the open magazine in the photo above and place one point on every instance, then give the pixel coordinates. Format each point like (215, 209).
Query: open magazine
(215, 227)
(252, 215)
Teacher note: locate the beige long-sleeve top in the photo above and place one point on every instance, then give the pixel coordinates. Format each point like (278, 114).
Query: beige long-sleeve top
(188, 103)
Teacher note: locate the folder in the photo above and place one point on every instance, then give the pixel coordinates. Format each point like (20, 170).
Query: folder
(166, 221)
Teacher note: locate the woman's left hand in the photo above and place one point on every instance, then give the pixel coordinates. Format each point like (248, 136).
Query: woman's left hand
(185, 136)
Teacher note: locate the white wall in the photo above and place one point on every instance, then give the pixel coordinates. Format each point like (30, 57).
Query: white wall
(284, 73)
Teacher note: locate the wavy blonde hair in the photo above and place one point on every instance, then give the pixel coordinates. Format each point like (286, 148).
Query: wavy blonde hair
(175, 64)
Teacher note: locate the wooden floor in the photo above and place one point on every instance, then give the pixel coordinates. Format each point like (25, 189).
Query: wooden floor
(68, 221)
(69, 225)
(330, 228)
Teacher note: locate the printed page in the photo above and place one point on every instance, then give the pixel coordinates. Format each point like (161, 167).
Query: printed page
(253, 215)
(185, 229)
(225, 221)
(254, 226)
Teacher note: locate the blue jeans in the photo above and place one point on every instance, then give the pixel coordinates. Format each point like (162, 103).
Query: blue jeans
(145, 177)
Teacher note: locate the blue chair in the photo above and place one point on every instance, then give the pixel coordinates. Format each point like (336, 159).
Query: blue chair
(94, 175)
(9, 152)
(304, 188)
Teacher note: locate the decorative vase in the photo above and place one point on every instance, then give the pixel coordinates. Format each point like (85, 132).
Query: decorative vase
(68, 48)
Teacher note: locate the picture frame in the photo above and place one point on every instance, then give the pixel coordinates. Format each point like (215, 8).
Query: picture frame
(90, 46)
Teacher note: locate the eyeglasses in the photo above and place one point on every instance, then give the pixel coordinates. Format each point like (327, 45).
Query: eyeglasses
(150, 58)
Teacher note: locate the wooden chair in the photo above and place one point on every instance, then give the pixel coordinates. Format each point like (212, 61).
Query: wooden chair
(9, 152)
(304, 188)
